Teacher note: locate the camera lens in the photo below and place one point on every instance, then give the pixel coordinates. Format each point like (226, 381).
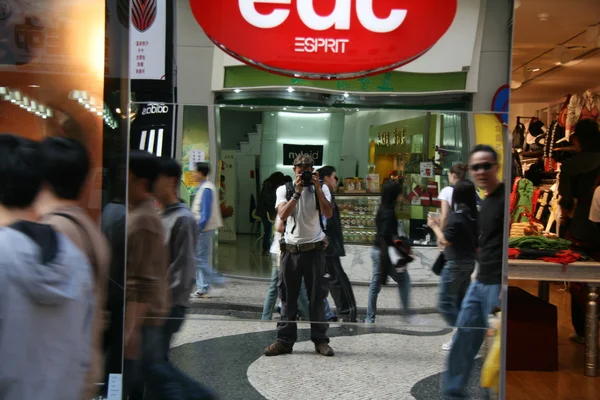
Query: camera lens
(306, 177)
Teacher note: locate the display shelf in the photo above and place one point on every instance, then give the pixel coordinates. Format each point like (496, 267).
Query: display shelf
(357, 216)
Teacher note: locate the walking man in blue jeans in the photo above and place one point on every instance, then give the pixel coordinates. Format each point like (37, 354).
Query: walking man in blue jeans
(205, 208)
(484, 293)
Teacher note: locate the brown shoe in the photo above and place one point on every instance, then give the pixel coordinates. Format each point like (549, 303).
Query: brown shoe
(277, 349)
(324, 349)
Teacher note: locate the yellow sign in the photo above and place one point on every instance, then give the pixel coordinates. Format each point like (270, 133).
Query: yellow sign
(189, 179)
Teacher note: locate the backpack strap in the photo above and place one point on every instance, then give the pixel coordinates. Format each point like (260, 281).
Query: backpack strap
(289, 192)
(82, 229)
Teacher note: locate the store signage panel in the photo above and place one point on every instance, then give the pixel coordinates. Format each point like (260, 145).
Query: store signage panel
(147, 39)
(291, 151)
(327, 38)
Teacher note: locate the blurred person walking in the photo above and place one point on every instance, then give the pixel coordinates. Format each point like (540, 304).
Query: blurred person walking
(265, 208)
(147, 291)
(65, 166)
(205, 208)
(46, 290)
(387, 229)
(483, 294)
(456, 173)
(180, 238)
(459, 237)
(339, 284)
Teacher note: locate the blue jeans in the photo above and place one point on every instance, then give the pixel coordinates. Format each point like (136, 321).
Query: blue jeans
(329, 314)
(160, 377)
(268, 230)
(205, 274)
(271, 298)
(455, 280)
(472, 324)
(402, 279)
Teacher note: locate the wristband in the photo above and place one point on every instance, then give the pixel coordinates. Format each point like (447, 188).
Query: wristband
(296, 196)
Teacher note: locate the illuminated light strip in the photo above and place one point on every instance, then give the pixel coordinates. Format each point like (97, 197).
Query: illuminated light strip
(159, 145)
(151, 141)
(143, 140)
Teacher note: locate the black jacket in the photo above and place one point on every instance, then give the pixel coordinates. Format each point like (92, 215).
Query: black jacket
(334, 233)
(577, 177)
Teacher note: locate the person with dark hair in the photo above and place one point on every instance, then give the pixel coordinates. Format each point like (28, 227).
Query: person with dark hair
(577, 177)
(483, 294)
(456, 172)
(459, 238)
(577, 182)
(147, 292)
(265, 207)
(386, 224)
(46, 281)
(205, 208)
(180, 238)
(339, 284)
(65, 166)
(287, 179)
(300, 205)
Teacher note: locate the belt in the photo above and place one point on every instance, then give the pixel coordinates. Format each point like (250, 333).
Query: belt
(301, 248)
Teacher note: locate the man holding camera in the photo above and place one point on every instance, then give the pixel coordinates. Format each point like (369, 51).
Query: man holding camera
(301, 205)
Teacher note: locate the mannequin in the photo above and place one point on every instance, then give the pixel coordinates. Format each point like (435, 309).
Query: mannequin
(583, 106)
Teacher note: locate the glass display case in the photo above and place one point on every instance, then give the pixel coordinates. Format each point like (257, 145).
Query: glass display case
(357, 214)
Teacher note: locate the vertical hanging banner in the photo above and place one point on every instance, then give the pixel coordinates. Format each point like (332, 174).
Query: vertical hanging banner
(147, 39)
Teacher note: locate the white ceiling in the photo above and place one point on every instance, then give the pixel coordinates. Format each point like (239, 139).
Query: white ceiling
(537, 44)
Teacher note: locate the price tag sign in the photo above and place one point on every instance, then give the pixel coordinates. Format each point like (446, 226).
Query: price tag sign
(426, 169)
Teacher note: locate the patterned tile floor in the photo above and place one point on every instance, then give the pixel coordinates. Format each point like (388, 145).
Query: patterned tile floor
(388, 361)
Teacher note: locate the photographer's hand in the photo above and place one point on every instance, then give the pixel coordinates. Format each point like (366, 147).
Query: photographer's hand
(299, 184)
(316, 182)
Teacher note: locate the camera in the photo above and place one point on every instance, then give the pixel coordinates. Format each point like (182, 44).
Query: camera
(306, 177)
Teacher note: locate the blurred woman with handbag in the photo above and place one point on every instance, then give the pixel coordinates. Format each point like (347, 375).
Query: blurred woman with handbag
(459, 238)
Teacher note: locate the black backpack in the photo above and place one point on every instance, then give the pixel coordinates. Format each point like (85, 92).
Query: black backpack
(289, 192)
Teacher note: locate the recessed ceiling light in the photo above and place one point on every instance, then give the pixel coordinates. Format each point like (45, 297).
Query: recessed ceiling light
(284, 108)
(252, 108)
(318, 109)
(290, 89)
(534, 69)
(34, 86)
(118, 110)
(237, 90)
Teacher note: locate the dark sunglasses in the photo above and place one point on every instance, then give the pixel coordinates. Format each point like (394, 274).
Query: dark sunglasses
(303, 165)
(486, 166)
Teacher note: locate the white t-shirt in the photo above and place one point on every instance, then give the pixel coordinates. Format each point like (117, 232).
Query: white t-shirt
(305, 217)
(446, 194)
(595, 207)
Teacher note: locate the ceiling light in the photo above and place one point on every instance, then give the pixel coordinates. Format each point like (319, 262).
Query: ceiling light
(515, 84)
(237, 90)
(34, 86)
(284, 108)
(290, 89)
(543, 17)
(118, 110)
(318, 109)
(517, 4)
(346, 95)
(252, 108)
(534, 69)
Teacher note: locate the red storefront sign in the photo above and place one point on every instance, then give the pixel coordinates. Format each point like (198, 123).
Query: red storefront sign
(324, 39)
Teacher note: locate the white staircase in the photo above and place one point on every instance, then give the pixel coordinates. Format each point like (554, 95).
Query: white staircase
(251, 147)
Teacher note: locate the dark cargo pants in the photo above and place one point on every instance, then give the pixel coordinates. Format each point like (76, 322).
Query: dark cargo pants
(311, 266)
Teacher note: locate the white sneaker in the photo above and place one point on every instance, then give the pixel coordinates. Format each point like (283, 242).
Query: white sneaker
(447, 346)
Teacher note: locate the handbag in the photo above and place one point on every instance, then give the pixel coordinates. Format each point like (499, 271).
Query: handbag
(438, 265)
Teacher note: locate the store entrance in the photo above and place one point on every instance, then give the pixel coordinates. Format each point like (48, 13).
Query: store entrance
(367, 147)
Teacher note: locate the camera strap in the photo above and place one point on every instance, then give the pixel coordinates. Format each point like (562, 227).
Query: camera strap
(289, 192)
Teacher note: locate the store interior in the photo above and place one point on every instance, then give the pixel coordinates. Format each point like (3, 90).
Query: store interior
(555, 84)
